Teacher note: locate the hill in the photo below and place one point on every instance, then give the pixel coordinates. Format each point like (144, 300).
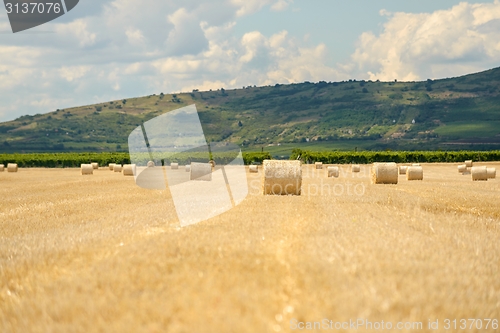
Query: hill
(454, 113)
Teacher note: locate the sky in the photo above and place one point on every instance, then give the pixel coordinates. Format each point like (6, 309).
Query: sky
(104, 50)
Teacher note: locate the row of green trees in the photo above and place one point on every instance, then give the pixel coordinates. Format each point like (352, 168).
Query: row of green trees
(366, 157)
(68, 160)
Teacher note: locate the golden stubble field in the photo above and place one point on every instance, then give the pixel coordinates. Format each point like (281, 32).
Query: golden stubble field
(99, 254)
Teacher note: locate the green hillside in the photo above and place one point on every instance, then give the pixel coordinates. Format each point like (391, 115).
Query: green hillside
(450, 114)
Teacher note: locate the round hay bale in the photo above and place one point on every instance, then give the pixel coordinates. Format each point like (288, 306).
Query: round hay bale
(492, 173)
(212, 163)
(200, 171)
(129, 170)
(174, 166)
(281, 177)
(384, 173)
(12, 167)
(468, 163)
(2, 167)
(117, 168)
(318, 165)
(87, 169)
(402, 169)
(479, 173)
(415, 164)
(462, 168)
(253, 169)
(188, 168)
(333, 171)
(355, 168)
(415, 173)
(95, 165)
(111, 165)
(150, 164)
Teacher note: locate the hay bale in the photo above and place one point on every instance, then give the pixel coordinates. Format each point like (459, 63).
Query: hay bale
(2, 167)
(415, 164)
(12, 167)
(111, 166)
(462, 168)
(174, 166)
(384, 173)
(415, 173)
(318, 165)
(129, 170)
(212, 163)
(95, 165)
(281, 177)
(402, 169)
(355, 168)
(200, 171)
(333, 171)
(479, 173)
(253, 169)
(188, 168)
(151, 164)
(87, 169)
(117, 168)
(492, 173)
(468, 163)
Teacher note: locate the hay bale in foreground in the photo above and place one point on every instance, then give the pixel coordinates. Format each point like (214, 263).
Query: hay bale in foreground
(87, 169)
(333, 171)
(462, 168)
(318, 165)
(492, 173)
(479, 173)
(2, 167)
(117, 168)
(384, 173)
(111, 166)
(200, 171)
(174, 166)
(468, 163)
(129, 170)
(188, 168)
(12, 167)
(253, 169)
(415, 173)
(355, 168)
(95, 165)
(281, 177)
(402, 169)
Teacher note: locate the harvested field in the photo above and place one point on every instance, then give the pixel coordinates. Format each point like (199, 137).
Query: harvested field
(100, 254)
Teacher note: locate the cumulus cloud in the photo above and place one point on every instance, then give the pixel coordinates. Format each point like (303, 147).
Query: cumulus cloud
(460, 40)
(281, 5)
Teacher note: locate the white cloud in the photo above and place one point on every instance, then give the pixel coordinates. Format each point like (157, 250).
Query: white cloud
(74, 72)
(452, 42)
(281, 5)
(248, 7)
(78, 31)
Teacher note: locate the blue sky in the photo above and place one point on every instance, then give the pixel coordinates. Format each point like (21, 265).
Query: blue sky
(113, 49)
